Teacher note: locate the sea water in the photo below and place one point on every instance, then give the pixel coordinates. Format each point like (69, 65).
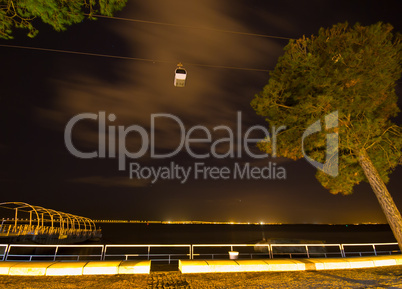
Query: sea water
(151, 233)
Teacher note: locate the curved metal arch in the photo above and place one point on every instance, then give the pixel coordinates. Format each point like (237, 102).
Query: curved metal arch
(51, 213)
(77, 219)
(23, 206)
(64, 218)
(82, 221)
(67, 218)
(42, 210)
(91, 223)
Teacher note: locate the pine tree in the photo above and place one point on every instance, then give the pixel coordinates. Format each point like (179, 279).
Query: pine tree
(352, 71)
(58, 13)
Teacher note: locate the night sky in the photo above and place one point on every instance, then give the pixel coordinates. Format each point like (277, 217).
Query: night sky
(41, 91)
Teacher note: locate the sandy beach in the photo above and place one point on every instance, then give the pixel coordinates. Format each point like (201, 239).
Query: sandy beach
(382, 277)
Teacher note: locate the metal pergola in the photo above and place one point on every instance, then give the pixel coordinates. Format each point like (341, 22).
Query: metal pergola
(39, 216)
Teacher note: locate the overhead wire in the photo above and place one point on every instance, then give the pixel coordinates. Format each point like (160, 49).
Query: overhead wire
(155, 60)
(129, 58)
(193, 27)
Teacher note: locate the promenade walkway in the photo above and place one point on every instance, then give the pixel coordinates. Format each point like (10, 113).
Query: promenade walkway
(69, 268)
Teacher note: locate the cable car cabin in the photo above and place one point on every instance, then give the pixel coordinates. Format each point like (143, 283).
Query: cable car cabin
(180, 77)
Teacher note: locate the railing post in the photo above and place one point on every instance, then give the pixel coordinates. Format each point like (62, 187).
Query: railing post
(308, 255)
(55, 253)
(149, 249)
(270, 251)
(342, 251)
(7, 252)
(103, 253)
(375, 251)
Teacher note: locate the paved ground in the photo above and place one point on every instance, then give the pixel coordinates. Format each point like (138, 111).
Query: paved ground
(382, 277)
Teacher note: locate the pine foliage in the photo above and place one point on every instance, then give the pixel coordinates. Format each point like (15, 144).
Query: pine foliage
(58, 13)
(352, 70)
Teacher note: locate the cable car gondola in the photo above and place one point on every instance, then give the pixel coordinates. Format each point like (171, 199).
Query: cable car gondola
(180, 75)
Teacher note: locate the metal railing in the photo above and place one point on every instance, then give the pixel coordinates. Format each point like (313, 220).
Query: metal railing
(3, 251)
(271, 251)
(175, 252)
(23, 252)
(375, 248)
(168, 253)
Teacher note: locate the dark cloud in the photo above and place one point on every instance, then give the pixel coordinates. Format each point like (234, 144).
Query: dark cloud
(112, 181)
(148, 87)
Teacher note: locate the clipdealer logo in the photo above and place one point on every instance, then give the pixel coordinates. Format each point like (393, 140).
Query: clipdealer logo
(112, 143)
(330, 166)
(237, 142)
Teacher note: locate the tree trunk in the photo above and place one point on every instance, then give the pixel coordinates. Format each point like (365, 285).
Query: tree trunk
(384, 197)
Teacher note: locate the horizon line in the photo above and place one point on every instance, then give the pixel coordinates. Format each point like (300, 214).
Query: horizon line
(226, 222)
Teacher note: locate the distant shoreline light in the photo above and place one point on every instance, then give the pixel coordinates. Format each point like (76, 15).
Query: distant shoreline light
(227, 223)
